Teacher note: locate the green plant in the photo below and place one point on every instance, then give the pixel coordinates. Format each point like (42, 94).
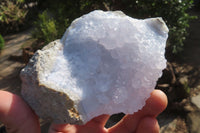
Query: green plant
(186, 87)
(174, 12)
(45, 28)
(1, 42)
(12, 14)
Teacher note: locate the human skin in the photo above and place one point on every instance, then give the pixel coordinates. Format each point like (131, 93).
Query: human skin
(18, 117)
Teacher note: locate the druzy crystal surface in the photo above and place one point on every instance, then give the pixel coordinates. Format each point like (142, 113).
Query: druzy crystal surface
(105, 63)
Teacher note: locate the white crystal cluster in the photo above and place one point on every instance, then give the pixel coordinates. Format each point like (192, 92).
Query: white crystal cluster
(105, 63)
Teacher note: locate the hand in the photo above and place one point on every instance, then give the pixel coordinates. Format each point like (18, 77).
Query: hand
(18, 117)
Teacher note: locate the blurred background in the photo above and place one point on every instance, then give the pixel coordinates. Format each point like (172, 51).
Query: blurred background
(29, 25)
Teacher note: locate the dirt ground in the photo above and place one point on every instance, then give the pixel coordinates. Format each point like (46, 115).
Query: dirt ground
(11, 62)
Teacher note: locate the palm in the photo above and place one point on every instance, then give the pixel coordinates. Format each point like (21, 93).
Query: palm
(19, 118)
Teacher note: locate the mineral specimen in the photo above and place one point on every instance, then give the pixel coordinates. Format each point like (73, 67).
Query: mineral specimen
(105, 63)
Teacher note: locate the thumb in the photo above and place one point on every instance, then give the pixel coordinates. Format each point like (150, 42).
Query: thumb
(17, 115)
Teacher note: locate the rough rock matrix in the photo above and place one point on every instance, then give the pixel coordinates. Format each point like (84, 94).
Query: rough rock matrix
(105, 63)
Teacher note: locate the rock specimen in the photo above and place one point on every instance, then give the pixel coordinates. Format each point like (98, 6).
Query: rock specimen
(105, 63)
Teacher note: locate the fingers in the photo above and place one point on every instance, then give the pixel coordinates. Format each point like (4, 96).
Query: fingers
(96, 125)
(155, 104)
(100, 121)
(148, 125)
(17, 115)
(61, 128)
